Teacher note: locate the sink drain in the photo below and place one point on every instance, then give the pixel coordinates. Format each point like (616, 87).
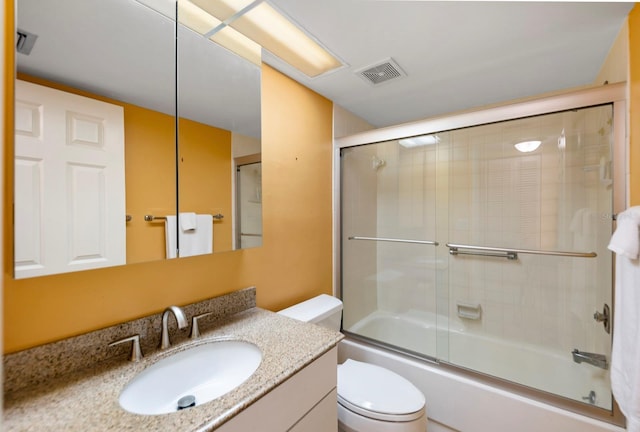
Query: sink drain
(186, 402)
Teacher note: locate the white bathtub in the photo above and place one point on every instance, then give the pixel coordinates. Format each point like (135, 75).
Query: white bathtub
(457, 402)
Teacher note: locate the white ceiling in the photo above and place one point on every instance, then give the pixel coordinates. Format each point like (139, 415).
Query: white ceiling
(126, 51)
(457, 55)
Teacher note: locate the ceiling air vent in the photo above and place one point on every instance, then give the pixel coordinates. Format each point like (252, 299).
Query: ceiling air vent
(25, 41)
(381, 72)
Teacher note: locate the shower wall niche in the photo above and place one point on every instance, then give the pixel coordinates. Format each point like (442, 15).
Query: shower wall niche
(467, 247)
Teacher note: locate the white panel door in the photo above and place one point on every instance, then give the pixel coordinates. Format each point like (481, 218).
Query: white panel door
(69, 182)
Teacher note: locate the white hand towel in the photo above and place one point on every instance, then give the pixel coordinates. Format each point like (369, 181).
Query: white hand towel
(625, 356)
(171, 240)
(188, 221)
(626, 239)
(198, 241)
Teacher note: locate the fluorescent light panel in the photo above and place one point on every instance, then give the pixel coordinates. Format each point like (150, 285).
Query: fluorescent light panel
(202, 22)
(222, 9)
(240, 44)
(261, 23)
(419, 141)
(282, 38)
(195, 18)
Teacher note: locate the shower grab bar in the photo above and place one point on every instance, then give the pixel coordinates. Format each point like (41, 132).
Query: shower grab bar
(395, 240)
(511, 254)
(151, 218)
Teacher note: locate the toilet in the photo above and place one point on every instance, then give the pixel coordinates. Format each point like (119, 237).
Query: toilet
(370, 398)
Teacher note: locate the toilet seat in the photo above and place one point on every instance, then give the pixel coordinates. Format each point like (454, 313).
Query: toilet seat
(378, 393)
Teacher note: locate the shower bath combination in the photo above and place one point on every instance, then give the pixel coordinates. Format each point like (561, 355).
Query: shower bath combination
(471, 252)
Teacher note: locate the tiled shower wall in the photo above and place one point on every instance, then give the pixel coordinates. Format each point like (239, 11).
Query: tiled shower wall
(474, 188)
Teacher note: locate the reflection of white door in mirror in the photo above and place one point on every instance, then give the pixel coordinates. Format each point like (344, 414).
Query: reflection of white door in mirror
(69, 182)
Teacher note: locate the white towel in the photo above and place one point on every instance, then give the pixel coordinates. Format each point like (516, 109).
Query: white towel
(188, 221)
(626, 240)
(171, 240)
(625, 356)
(198, 241)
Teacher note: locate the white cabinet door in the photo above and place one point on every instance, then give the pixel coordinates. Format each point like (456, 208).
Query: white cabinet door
(322, 418)
(69, 182)
(301, 403)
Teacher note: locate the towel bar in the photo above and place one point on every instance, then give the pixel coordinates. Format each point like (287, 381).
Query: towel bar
(395, 240)
(151, 218)
(511, 254)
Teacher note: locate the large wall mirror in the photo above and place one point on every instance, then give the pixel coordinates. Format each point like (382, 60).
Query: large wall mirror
(219, 135)
(103, 89)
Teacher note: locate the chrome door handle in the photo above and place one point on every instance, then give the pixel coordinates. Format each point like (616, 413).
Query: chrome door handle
(604, 317)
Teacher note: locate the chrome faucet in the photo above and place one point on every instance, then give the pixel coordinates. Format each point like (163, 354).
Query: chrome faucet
(181, 320)
(597, 360)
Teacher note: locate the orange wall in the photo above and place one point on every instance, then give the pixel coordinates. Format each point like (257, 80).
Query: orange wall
(295, 261)
(150, 152)
(205, 177)
(634, 103)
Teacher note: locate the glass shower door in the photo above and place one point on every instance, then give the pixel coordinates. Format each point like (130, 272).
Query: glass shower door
(390, 267)
(486, 248)
(529, 265)
(249, 205)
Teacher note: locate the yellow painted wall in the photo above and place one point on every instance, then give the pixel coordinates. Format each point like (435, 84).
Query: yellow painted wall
(205, 177)
(634, 103)
(150, 152)
(294, 263)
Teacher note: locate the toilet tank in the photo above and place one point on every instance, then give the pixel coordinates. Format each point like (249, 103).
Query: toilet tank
(324, 310)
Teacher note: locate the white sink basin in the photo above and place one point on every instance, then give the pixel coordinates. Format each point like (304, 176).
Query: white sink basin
(205, 372)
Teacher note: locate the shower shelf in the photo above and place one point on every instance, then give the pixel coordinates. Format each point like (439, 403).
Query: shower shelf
(511, 254)
(469, 311)
(395, 240)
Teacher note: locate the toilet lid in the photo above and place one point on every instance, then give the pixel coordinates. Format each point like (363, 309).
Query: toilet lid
(376, 392)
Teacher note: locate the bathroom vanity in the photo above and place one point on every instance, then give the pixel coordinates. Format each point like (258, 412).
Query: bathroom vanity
(294, 388)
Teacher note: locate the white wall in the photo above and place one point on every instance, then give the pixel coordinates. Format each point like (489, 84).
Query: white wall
(346, 123)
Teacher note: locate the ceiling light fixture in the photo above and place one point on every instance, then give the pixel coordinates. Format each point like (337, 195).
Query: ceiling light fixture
(223, 9)
(282, 38)
(202, 22)
(527, 146)
(419, 141)
(263, 24)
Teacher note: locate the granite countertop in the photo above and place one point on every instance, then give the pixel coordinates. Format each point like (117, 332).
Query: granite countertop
(87, 399)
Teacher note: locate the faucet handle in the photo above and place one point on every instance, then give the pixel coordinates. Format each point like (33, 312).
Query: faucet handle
(136, 352)
(195, 330)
